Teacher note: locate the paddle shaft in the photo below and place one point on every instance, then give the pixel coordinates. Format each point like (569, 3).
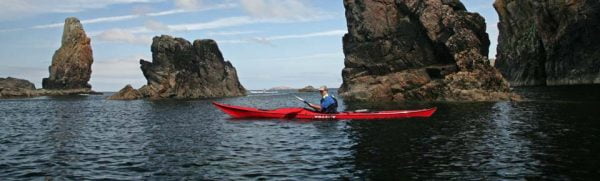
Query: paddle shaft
(306, 102)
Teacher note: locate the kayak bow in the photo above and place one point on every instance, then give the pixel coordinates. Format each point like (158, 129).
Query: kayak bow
(302, 113)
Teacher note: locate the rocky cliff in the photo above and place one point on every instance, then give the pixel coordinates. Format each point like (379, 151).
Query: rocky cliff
(180, 69)
(545, 42)
(400, 50)
(72, 62)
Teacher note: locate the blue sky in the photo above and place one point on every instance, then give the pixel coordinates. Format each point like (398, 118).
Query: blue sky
(270, 42)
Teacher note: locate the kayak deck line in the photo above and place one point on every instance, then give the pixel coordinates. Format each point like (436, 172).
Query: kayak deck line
(303, 113)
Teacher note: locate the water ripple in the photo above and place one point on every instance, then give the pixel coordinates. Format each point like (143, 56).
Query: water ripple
(89, 138)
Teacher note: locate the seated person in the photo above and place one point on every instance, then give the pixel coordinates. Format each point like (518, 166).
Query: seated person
(328, 103)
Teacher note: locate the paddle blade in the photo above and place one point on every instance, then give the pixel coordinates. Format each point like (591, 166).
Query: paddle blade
(299, 98)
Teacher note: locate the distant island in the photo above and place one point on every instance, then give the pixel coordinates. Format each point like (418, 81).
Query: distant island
(281, 88)
(308, 88)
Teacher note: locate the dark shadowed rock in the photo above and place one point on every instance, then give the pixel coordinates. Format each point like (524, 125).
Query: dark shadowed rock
(127, 93)
(180, 69)
(400, 50)
(549, 42)
(72, 62)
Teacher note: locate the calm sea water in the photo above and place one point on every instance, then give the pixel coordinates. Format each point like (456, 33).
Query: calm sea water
(553, 135)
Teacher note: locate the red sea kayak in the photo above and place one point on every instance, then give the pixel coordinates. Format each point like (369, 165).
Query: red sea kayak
(302, 113)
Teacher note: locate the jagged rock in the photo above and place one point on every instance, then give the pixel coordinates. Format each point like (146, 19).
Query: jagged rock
(549, 42)
(72, 62)
(180, 69)
(127, 93)
(308, 89)
(400, 50)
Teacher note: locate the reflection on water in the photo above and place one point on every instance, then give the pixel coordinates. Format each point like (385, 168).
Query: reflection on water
(553, 135)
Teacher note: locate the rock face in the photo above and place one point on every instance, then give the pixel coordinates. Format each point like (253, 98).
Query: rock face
(549, 42)
(72, 62)
(180, 69)
(400, 50)
(127, 93)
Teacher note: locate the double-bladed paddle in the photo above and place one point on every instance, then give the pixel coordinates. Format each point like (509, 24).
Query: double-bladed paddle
(305, 102)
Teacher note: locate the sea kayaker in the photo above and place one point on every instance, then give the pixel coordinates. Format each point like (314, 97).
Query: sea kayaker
(328, 103)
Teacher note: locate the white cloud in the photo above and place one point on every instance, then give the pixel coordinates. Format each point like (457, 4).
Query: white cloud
(156, 25)
(215, 24)
(231, 41)
(123, 67)
(167, 12)
(120, 35)
(142, 9)
(229, 33)
(109, 19)
(137, 13)
(282, 9)
(14, 9)
(261, 40)
(310, 35)
(129, 35)
(268, 40)
(90, 21)
(113, 74)
(219, 23)
(188, 4)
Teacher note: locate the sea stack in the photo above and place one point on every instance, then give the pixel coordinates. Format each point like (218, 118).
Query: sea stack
(418, 50)
(549, 42)
(72, 62)
(184, 70)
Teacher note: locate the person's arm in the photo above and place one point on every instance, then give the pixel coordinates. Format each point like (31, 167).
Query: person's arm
(314, 106)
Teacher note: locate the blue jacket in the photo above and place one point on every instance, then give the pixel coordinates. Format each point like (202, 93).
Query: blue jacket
(328, 104)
